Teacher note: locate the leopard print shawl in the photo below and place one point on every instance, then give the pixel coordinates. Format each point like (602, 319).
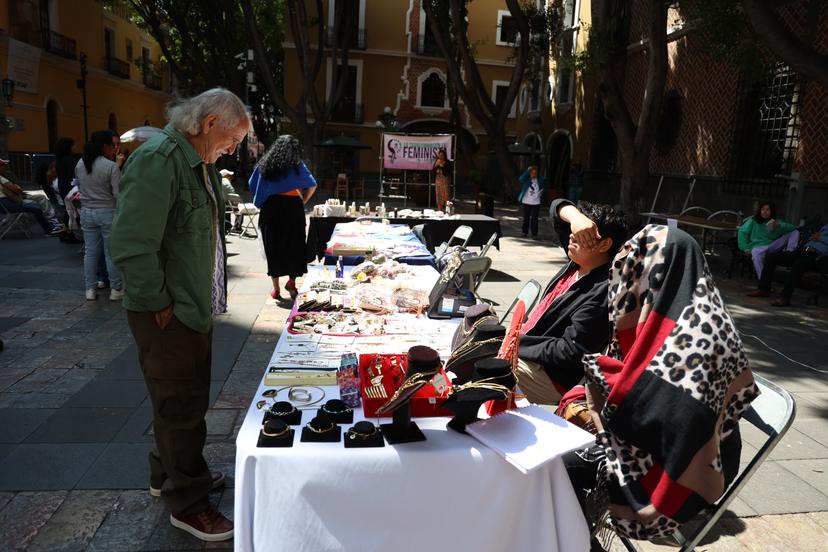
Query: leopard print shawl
(671, 388)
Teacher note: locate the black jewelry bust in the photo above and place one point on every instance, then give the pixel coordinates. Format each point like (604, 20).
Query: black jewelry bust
(483, 342)
(363, 434)
(423, 364)
(283, 410)
(337, 411)
(321, 430)
(474, 316)
(492, 379)
(275, 433)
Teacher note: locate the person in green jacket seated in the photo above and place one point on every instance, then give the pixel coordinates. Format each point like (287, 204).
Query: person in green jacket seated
(762, 234)
(531, 193)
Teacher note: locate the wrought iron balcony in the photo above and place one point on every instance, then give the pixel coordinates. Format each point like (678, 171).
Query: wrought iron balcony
(153, 80)
(357, 39)
(61, 45)
(347, 113)
(117, 67)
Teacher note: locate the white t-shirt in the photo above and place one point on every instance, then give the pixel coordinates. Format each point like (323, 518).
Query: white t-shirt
(532, 195)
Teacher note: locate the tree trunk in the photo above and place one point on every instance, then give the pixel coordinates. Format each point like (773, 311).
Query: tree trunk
(635, 173)
(508, 169)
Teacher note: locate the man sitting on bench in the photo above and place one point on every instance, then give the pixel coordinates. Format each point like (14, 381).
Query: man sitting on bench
(571, 318)
(801, 261)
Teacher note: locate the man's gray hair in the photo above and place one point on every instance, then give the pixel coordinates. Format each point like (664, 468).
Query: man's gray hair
(187, 114)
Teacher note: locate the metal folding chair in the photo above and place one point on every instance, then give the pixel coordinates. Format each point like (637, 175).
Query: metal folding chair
(250, 212)
(460, 236)
(773, 413)
(10, 220)
(483, 251)
(529, 294)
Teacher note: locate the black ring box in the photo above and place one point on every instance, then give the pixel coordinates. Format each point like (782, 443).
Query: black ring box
(294, 418)
(332, 436)
(374, 441)
(346, 417)
(282, 441)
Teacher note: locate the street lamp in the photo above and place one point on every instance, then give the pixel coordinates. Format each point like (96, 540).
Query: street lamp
(8, 90)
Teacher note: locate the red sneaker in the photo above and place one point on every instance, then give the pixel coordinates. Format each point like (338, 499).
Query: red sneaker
(210, 525)
(218, 481)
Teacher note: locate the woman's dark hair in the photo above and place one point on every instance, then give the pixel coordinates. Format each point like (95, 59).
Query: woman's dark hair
(284, 154)
(758, 216)
(94, 148)
(610, 223)
(63, 147)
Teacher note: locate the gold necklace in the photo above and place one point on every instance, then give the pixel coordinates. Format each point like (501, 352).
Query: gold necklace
(465, 333)
(279, 434)
(483, 384)
(323, 430)
(416, 379)
(470, 345)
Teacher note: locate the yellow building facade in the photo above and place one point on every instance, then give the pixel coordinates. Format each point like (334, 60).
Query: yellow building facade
(397, 67)
(41, 43)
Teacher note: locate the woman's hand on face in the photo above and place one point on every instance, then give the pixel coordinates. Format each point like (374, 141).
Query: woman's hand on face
(584, 231)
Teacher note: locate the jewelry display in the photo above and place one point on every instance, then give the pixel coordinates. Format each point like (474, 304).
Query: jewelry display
(423, 364)
(284, 411)
(299, 395)
(484, 341)
(363, 434)
(321, 429)
(337, 411)
(492, 380)
(275, 434)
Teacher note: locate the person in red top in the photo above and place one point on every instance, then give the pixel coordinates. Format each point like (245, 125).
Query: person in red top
(571, 318)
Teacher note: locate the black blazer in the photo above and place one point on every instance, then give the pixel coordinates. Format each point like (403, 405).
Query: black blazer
(576, 323)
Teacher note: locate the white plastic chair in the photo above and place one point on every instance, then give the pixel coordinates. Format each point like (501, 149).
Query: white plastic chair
(529, 293)
(489, 244)
(250, 212)
(772, 412)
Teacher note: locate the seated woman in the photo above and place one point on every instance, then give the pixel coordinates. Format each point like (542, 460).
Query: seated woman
(762, 234)
(667, 397)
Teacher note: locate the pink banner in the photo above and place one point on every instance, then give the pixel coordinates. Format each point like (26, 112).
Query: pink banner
(414, 152)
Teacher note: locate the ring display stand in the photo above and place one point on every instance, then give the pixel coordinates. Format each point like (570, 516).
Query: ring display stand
(423, 364)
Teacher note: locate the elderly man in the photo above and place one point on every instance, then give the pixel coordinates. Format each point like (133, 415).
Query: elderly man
(15, 200)
(167, 240)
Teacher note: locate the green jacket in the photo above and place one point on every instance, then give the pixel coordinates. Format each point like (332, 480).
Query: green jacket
(164, 235)
(755, 234)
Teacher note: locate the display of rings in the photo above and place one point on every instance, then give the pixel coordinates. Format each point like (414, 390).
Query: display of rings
(362, 431)
(278, 433)
(325, 429)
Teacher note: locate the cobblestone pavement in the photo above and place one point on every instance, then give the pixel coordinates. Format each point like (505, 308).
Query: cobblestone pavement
(75, 424)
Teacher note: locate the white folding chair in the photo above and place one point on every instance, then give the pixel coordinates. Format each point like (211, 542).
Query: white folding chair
(460, 236)
(529, 294)
(489, 244)
(10, 220)
(250, 212)
(772, 412)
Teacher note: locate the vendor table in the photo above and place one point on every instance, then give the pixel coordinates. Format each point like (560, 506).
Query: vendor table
(395, 241)
(447, 493)
(435, 232)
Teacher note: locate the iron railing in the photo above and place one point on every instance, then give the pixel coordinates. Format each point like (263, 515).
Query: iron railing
(117, 67)
(61, 45)
(357, 38)
(153, 80)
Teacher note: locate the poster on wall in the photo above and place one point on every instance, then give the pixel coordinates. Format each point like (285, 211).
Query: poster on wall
(404, 152)
(24, 66)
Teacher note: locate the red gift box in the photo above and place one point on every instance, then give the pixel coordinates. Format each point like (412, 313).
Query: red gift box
(426, 402)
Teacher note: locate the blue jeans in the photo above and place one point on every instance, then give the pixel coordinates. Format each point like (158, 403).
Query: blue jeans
(28, 208)
(97, 224)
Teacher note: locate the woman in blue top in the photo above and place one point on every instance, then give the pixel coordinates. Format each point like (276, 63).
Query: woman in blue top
(281, 185)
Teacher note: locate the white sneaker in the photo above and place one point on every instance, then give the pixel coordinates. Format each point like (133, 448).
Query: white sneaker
(91, 294)
(116, 295)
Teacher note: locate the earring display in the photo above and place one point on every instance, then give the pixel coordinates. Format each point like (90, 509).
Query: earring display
(364, 435)
(483, 341)
(337, 411)
(423, 365)
(275, 433)
(285, 411)
(321, 429)
(382, 375)
(492, 379)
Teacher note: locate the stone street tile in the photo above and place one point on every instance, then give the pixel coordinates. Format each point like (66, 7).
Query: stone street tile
(38, 381)
(221, 422)
(36, 467)
(241, 383)
(120, 466)
(815, 429)
(762, 492)
(796, 445)
(75, 522)
(130, 524)
(812, 406)
(166, 537)
(24, 515)
(783, 533)
(17, 423)
(137, 427)
(813, 472)
(5, 498)
(73, 381)
(33, 400)
(81, 425)
(226, 400)
(112, 393)
(220, 453)
(5, 450)
(821, 519)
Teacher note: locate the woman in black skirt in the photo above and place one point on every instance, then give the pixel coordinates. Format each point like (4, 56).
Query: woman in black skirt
(281, 185)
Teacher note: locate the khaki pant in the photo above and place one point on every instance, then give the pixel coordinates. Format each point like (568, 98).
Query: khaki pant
(176, 366)
(536, 384)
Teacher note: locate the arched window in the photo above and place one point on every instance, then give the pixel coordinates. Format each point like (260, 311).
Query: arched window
(433, 91)
(52, 122)
(113, 122)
